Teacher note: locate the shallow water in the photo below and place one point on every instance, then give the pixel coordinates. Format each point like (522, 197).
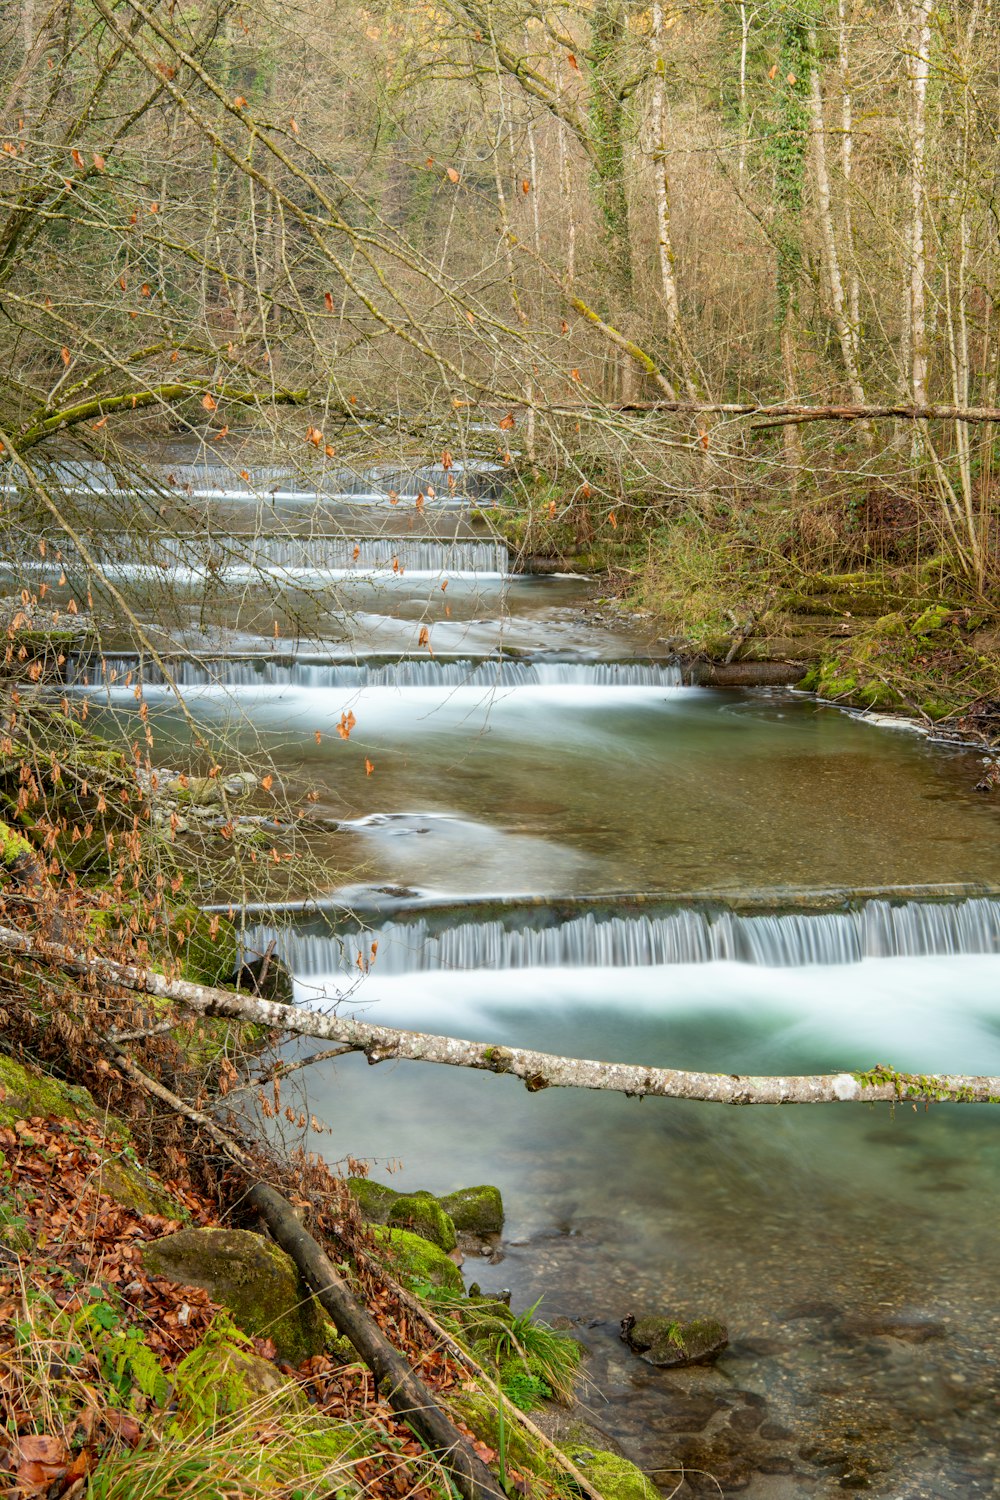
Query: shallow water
(854, 1253)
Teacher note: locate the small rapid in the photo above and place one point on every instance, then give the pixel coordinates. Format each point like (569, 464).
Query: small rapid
(875, 929)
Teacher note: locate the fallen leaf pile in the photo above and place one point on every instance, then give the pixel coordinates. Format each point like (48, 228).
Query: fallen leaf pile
(66, 1243)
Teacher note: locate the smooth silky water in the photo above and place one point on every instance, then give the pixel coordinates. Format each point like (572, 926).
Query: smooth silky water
(853, 1252)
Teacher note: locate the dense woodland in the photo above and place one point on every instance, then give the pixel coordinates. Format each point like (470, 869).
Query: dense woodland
(411, 222)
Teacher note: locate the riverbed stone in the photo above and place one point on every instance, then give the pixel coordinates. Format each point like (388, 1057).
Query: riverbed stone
(422, 1214)
(667, 1343)
(475, 1210)
(255, 1281)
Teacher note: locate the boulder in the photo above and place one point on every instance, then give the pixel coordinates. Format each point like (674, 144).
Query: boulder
(257, 1284)
(670, 1344)
(375, 1199)
(422, 1214)
(417, 1261)
(475, 1210)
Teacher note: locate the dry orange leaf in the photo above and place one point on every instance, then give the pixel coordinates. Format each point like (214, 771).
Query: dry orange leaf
(65, 355)
(239, 102)
(613, 519)
(294, 125)
(146, 290)
(525, 185)
(570, 58)
(507, 422)
(424, 638)
(267, 782)
(208, 403)
(453, 176)
(328, 299)
(77, 157)
(99, 162)
(369, 768)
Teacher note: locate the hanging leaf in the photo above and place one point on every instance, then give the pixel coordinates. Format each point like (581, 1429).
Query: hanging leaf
(507, 422)
(77, 157)
(328, 300)
(208, 403)
(453, 176)
(424, 638)
(294, 125)
(99, 162)
(525, 185)
(613, 519)
(239, 102)
(570, 58)
(65, 355)
(369, 768)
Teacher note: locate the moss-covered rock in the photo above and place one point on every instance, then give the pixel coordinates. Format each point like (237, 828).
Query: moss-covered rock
(255, 1281)
(422, 1214)
(417, 1261)
(207, 946)
(668, 1343)
(222, 1376)
(375, 1199)
(475, 1210)
(933, 618)
(615, 1478)
(28, 1094)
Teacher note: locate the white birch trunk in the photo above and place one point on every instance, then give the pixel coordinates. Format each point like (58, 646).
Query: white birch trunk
(537, 1070)
(848, 348)
(919, 78)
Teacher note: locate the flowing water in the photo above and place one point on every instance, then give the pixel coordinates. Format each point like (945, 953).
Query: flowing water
(554, 843)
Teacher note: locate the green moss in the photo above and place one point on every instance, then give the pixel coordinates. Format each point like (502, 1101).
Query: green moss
(30, 1094)
(206, 946)
(422, 1214)
(932, 619)
(375, 1199)
(13, 845)
(416, 1260)
(223, 1376)
(255, 1281)
(615, 1478)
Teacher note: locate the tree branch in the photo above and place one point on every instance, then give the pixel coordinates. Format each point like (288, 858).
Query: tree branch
(537, 1070)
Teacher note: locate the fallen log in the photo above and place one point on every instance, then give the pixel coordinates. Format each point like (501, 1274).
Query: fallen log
(402, 1388)
(537, 1070)
(404, 1391)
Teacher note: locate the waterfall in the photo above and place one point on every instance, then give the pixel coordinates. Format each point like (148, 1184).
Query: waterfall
(317, 553)
(312, 672)
(875, 929)
(471, 479)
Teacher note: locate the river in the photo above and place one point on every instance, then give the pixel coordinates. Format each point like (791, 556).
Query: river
(565, 848)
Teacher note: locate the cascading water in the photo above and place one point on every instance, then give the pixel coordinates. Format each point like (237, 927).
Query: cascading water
(472, 479)
(202, 558)
(876, 929)
(306, 672)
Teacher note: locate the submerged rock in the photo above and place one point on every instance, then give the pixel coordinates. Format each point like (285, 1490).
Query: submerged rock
(475, 1210)
(669, 1344)
(255, 1281)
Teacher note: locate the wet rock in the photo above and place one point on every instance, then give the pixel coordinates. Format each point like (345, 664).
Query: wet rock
(776, 1432)
(668, 1344)
(713, 1466)
(255, 1281)
(857, 1327)
(475, 1210)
